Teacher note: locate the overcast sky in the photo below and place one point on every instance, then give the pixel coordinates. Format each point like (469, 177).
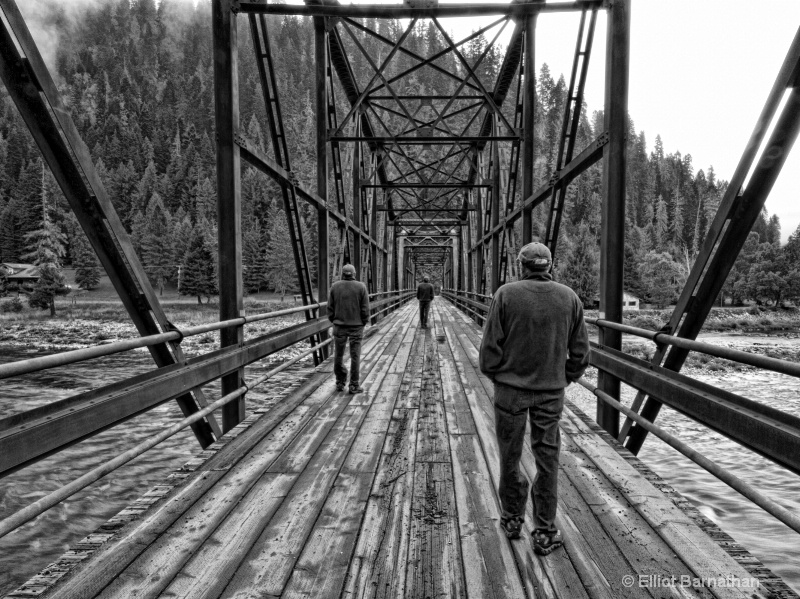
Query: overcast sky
(700, 73)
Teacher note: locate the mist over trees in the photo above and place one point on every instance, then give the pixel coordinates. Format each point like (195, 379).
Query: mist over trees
(138, 80)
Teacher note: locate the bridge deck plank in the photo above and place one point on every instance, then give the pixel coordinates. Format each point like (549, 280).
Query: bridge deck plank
(393, 493)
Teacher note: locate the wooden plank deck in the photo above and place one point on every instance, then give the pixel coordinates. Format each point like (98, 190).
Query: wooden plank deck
(392, 493)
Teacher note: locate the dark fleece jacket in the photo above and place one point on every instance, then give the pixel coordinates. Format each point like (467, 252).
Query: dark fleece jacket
(425, 292)
(348, 303)
(535, 337)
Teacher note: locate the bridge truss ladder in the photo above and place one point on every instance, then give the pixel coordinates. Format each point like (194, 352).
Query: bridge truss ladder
(344, 254)
(569, 125)
(510, 186)
(266, 72)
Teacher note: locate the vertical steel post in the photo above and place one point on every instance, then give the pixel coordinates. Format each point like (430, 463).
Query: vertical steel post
(528, 137)
(470, 265)
(386, 254)
(321, 54)
(479, 250)
(374, 248)
(460, 250)
(495, 174)
(613, 211)
(229, 200)
(395, 259)
(356, 258)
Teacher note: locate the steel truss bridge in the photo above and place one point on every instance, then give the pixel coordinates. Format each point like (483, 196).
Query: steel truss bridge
(409, 183)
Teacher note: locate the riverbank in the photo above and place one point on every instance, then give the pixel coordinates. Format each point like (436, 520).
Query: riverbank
(771, 332)
(95, 323)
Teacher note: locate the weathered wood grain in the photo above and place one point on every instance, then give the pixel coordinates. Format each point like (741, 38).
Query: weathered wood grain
(434, 567)
(378, 565)
(489, 565)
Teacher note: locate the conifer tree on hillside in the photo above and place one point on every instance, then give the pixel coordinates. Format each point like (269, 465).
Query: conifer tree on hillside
(659, 274)
(281, 271)
(580, 270)
(198, 273)
(84, 260)
(158, 244)
(254, 257)
(46, 251)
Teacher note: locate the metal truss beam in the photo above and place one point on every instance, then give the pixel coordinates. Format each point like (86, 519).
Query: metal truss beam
(404, 11)
(229, 194)
(579, 164)
(612, 233)
(425, 139)
(34, 93)
(254, 156)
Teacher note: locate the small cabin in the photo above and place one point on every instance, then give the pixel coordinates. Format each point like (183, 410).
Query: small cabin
(629, 301)
(19, 274)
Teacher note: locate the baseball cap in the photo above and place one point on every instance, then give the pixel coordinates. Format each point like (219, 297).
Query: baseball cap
(535, 256)
(348, 270)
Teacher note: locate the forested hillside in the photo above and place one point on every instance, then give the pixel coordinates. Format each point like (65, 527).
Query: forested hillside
(137, 77)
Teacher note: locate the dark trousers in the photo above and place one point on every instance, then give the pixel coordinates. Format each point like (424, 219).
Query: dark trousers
(341, 333)
(424, 310)
(512, 407)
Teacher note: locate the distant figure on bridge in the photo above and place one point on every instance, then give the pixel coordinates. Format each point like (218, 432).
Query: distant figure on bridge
(425, 297)
(348, 310)
(534, 344)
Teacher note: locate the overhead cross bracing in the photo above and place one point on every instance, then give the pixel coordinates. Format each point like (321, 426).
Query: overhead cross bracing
(434, 126)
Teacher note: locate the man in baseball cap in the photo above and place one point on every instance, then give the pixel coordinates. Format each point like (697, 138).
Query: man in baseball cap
(348, 310)
(534, 344)
(535, 257)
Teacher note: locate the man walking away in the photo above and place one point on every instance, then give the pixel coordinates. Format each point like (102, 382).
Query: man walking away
(425, 297)
(348, 310)
(534, 345)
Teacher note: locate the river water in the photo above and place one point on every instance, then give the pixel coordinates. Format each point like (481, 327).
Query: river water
(29, 549)
(32, 547)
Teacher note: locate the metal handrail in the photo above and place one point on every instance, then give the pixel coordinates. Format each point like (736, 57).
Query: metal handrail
(40, 506)
(781, 513)
(735, 355)
(97, 351)
(87, 353)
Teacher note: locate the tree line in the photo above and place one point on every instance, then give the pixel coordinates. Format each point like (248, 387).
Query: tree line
(137, 78)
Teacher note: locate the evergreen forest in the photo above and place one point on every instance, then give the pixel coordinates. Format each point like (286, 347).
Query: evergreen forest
(137, 76)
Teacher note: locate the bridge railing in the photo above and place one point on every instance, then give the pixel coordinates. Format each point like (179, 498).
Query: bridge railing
(37, 433)
(768, 431)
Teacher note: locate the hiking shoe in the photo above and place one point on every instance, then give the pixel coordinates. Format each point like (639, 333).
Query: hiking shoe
(512, 526)
(356, 389)
(545, 542)
(340, 386)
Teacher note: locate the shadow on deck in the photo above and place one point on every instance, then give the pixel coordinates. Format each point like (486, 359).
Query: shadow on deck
(392, 493)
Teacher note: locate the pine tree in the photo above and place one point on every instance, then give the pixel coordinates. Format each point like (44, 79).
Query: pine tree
(87, 266)
(46, 251)
(581, 270)
(254, 256)
(281, 269)
(198, 275)
(658, 273)
(157, 244)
